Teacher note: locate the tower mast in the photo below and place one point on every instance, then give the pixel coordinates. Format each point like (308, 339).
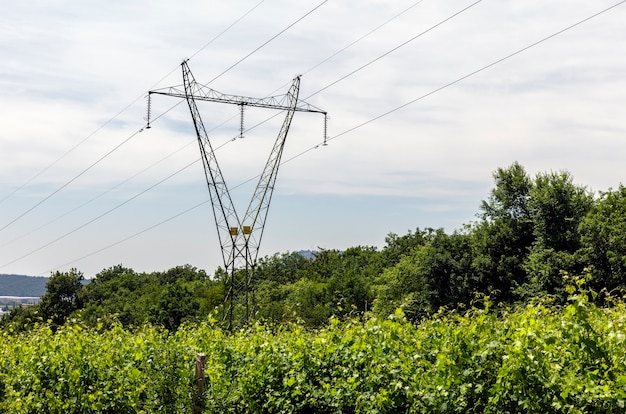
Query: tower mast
(239, 239)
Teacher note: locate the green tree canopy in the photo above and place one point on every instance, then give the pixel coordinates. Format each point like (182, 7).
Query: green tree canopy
(62, 296)
(603, 239)
(557, 207)
(502, 238)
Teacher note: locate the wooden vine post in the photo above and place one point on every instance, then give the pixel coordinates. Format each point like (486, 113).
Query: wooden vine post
(199, 383)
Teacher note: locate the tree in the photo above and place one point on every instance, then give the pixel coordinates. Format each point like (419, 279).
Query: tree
(111, 273)
(282, 268)
(398, 246)
(445, 263)
(169, 298)
(119, 291)
(403, 286)
(178, 302)
(509, 198)
(62, 296)
(557, 207)
(433, 275)
(603, 239)
(306, 299)
(502, 239)
(186, 273)
(350, 280)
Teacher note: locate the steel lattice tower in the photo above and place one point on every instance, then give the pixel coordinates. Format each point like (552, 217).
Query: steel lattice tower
(239, 238)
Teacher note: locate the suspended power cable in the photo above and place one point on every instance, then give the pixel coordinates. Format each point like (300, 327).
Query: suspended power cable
(349, 130)
(43, 200)
(395, 48)
(384, 54)
(352, 129)
(114, 117)
(34, 177)
(194, 141)
(477, 71)
(132, 236)
(380, 26)
(100, 216)
(232, 66)
(363, 66)
(91, 200)
(266, 42)
(220, 34)
(343, 49)
(109, 211)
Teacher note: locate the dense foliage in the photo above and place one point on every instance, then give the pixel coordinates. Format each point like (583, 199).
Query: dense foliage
(483, 319)
(527, 233)
(539, 357)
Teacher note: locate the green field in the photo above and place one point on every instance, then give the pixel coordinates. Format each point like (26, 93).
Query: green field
(533, 358)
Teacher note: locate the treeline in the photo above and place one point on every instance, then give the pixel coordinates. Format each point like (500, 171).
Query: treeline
(529, 236)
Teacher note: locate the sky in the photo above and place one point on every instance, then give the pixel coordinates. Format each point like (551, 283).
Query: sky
(426, 100)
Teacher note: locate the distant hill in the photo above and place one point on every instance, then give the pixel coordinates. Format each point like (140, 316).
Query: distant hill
(20, 285)
(307, 254)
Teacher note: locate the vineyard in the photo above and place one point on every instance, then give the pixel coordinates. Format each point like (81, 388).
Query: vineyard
(538, 357)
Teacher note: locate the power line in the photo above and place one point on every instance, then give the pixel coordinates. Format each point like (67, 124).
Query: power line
(118, 184)
(110, 152)
(220, 34)
(202, 48)
(82, 172)
(132, 236)
(368, 122)
(101, 215)
(380, 26)
(91, 200)
(462, 78)
(33, 178)
(43, 200)
(396, 48)
(361, 67)
(268, 41)
(380, 56)
(123, 110)
(343, 49)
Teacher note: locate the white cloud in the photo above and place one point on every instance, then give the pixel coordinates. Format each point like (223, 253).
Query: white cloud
(69, 67)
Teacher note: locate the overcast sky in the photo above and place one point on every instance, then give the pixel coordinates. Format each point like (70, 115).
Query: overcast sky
(73, 76)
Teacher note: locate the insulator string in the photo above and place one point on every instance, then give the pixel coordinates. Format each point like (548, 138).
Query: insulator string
(149, 110)
(241, 115)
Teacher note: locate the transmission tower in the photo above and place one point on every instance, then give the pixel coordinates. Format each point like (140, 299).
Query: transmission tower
(239, 238)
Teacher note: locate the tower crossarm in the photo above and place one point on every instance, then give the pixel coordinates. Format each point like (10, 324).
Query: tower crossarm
(204, 93)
